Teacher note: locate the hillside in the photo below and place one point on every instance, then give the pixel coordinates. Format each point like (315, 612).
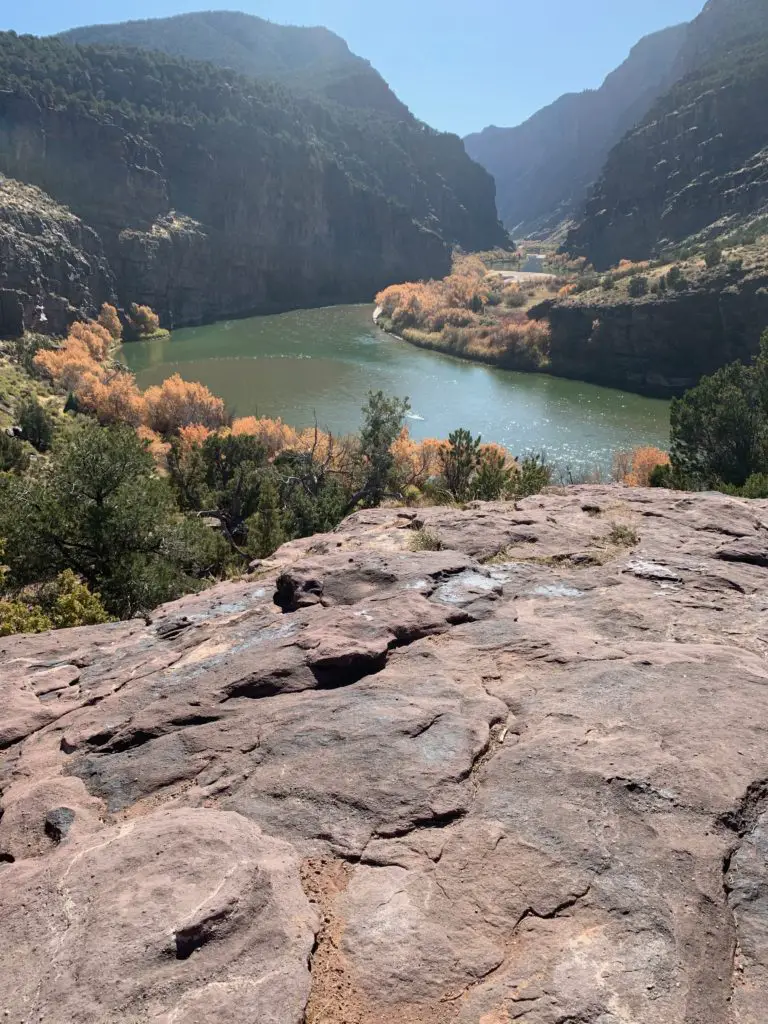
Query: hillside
(521, 777)
(217, 195)
(698, 162)
(312, 61)
(544, 167)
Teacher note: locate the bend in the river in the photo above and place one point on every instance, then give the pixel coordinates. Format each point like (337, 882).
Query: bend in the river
(322, 362)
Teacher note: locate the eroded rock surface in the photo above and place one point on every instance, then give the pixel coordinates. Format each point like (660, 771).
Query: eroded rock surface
(521, 778)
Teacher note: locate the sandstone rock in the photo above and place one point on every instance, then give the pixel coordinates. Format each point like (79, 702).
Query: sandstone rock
(519, 778)
(188, 915)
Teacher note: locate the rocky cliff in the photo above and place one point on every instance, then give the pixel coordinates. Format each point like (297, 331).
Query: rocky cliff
(698, 162)
(215, 195)
(52, 267)
(545, 166)
(659, 345)
(522, 777)
(312, 61)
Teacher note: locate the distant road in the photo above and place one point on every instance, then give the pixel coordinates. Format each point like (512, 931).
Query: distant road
(522, 275)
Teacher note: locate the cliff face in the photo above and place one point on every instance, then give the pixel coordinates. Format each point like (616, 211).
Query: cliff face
(312, 61)
(659, 346)
(521, 775)
(52, 267)
(214, 196)
(699, 157)
(544, 167)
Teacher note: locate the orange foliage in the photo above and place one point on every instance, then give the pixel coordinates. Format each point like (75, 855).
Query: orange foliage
(634, 468)
(274, 435)
(96, 338)
(144, 319)
(158, 448)
(110, 321)
(566, 290)
(113, 398)
(177, 403)
(67, 365)
(416, 461)
(194, 435)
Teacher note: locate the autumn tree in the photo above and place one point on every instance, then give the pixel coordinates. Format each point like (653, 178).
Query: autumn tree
(177, 403)
(110, 321)
(144, 320)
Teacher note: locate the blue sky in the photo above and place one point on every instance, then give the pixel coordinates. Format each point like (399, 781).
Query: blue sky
(458, 64)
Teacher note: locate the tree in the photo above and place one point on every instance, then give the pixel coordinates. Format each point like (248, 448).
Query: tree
(265, 527)
(110, 321)
(36, 424)
(383, 419)
(638, 286)
(221, 477)
(459, 462)
(178, 403)
(533, 476)
(13, 454)
(713, 255)
(98, 509)
(719, 429)
(144, 320)
(494, 477)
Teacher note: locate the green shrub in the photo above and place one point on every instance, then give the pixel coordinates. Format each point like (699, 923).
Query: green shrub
(623, 535)
(713, 255)
(36, 424)
(14, 457)
(534, 475)
(638, 286)
(425, 540)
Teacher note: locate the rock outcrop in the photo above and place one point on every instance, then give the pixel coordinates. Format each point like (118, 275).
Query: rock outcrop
(52, 267)
(521, 777)
(698, 162)
(216, 195)
(659, 345)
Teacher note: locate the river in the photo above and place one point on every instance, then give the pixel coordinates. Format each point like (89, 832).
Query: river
(323, 362)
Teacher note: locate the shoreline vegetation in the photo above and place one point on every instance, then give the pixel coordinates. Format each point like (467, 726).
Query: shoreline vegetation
(475, 313)
(114, 501)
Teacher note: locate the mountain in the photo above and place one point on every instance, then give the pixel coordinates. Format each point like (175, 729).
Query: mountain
(313, 61)
(544, 167)
(698, 162)
(214, 194)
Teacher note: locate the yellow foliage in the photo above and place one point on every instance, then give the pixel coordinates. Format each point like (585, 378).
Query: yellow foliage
(177, 403)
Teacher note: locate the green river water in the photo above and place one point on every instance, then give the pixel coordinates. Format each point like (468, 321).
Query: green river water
(322, 362)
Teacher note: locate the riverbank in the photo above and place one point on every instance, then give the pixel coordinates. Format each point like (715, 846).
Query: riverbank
(319, 364)
(473, 314)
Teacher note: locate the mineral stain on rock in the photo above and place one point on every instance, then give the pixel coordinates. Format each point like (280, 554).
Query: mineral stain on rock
(450, 787)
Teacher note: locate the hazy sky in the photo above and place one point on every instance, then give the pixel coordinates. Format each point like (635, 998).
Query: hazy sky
(458, 64)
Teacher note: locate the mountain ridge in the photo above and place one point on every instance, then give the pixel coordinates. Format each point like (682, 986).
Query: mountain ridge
(218, 195)
(544, 166)
(311, 60)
